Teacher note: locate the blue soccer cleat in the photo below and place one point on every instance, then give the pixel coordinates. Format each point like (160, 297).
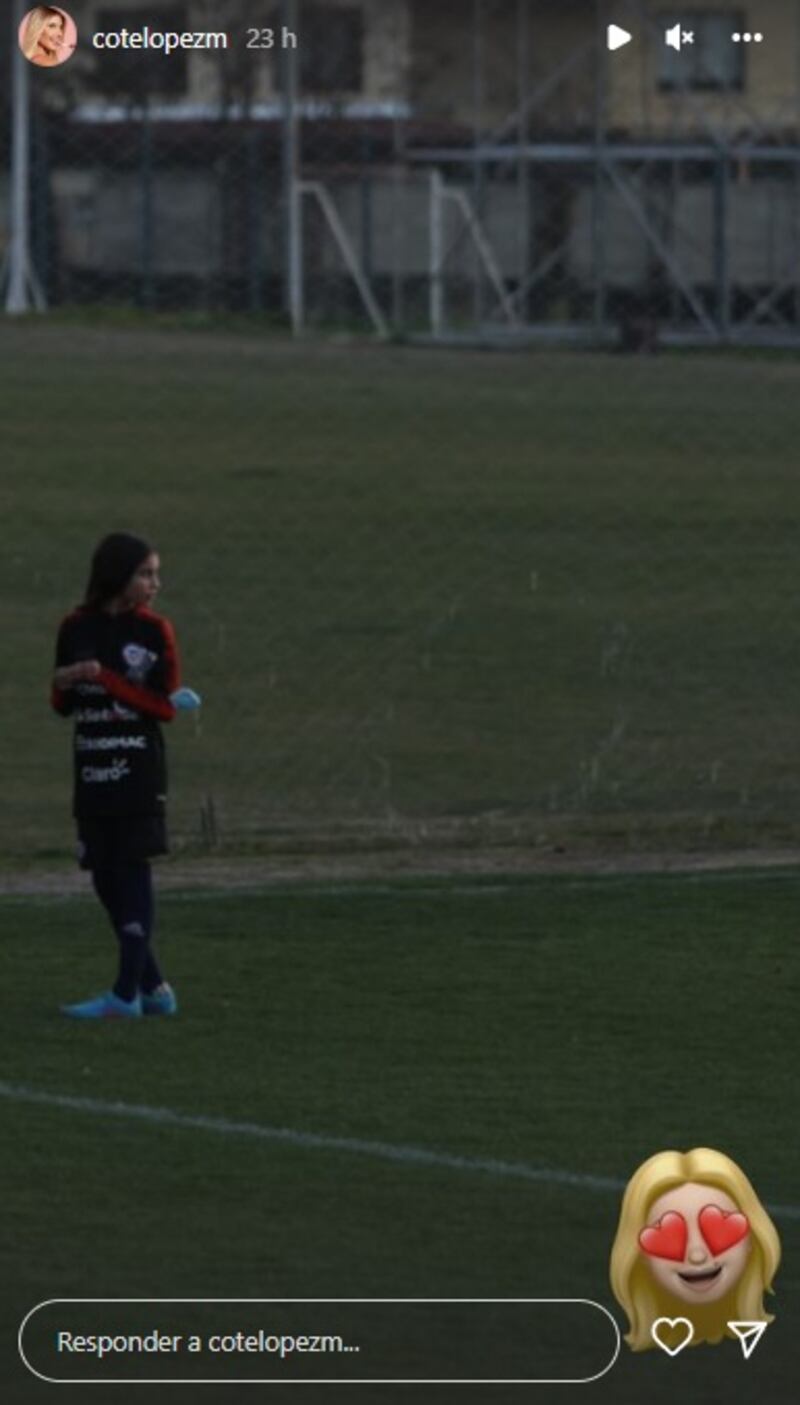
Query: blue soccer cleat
(162, 1001)
(107, 1006)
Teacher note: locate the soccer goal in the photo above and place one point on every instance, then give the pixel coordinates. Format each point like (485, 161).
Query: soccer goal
(315, 190)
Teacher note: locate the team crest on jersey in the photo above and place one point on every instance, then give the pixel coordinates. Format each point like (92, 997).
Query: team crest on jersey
(139, 661)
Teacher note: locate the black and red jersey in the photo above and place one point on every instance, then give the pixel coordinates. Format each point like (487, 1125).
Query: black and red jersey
(120, 765)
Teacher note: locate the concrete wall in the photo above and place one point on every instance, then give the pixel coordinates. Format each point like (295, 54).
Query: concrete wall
(762, 236)
(98, 219)
(98, 216)
(400, 240)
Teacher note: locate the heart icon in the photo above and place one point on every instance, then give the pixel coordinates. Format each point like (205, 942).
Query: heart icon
(672, 1334)
(667, 1238)
(721, 1229)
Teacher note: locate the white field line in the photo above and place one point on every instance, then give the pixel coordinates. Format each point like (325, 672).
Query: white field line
(317, 1141)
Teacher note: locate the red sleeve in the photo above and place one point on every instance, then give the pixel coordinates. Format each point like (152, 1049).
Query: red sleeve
(143, 699)
(154, 702)
(172, 666)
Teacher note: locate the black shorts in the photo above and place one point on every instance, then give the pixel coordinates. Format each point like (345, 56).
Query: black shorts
(107, 840)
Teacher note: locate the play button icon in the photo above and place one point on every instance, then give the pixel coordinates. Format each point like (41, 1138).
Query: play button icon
(616, 37)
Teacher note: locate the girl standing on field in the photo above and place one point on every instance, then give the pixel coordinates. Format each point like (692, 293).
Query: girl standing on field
(116, 668)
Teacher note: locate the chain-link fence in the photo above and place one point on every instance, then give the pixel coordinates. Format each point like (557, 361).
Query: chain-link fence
(486, 167)
(427, 596)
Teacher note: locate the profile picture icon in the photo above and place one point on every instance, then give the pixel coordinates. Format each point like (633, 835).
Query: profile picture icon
(47, 36)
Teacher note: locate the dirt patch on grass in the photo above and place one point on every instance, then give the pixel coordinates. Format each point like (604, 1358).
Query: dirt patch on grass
(229, 874)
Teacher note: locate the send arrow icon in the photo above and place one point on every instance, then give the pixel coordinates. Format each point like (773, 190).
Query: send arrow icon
(749, 1334)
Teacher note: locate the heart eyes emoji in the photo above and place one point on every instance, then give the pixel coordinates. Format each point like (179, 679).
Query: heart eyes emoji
(721, 1229)
(667, 1238)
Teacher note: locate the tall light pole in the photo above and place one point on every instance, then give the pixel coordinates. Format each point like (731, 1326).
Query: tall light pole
(22, 287)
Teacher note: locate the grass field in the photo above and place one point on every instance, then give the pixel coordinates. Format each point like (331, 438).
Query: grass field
(570, 1026)
(510, 605)
(545, 598)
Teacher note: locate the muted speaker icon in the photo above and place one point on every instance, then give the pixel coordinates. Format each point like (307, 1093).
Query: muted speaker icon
(673, 37)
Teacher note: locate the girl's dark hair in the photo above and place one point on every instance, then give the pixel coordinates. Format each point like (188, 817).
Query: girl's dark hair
(115, 560)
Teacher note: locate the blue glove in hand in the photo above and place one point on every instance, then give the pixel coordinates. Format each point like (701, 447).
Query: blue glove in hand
(186, 699)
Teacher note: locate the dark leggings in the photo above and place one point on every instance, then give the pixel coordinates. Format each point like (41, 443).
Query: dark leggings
(126, 892)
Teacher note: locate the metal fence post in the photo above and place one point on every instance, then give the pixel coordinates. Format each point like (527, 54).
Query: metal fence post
(255, 222)
(23, 290)
(147, 226)
(292, 198)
